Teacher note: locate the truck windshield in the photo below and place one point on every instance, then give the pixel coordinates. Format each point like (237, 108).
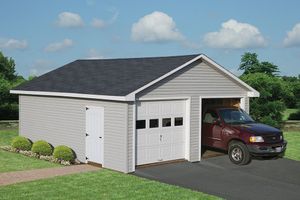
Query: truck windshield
(235, 116)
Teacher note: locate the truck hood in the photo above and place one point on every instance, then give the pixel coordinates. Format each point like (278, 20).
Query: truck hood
(257, 129)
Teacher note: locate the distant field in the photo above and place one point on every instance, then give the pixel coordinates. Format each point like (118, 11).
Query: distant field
(287, 113)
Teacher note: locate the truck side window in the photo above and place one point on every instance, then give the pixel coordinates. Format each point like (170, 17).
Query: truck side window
(209, 117)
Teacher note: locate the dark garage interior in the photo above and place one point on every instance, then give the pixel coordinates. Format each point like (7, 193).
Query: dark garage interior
(207, 152)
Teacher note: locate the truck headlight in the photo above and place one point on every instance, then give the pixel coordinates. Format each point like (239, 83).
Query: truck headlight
(256, 139)
(281, 137)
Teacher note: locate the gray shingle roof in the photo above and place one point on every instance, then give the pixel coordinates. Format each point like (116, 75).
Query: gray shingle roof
(115, 77)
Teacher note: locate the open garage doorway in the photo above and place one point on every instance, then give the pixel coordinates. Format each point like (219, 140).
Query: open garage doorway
(208, 104)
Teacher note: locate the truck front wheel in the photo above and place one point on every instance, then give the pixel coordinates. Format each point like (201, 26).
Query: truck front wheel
(238, 153)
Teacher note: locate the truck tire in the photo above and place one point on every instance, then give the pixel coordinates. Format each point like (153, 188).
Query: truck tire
(238, 153)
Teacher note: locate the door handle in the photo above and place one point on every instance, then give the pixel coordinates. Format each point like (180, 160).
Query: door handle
(86, 134)
(100, 137)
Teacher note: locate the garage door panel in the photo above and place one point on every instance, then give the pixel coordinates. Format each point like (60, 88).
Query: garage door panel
(166, 109)
(165, 142)
(153, 109)
(166, 152)
(152, 139)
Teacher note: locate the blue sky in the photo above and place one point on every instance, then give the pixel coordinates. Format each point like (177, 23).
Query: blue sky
(43, 35)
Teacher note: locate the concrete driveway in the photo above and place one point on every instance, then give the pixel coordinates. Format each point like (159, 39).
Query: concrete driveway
(261, 179)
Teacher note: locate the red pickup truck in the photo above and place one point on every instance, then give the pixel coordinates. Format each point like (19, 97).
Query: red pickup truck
(233, 130)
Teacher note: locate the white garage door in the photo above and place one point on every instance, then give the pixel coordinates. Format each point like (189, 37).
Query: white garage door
(160, 131)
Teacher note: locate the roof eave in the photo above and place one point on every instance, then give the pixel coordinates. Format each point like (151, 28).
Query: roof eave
(74, 95)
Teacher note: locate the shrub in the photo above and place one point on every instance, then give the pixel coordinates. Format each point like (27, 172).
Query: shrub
(21, 143)
(42, 147)
(63, 153)
(294, 116)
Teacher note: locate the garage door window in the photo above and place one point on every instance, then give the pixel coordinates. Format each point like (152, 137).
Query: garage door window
(153, 123)
(140, 124)
(178, 121)
(166, 122)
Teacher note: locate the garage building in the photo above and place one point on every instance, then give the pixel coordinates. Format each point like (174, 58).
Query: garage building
(122, 113)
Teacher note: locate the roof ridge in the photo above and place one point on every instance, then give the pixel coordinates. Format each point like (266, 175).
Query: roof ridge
(146, 57)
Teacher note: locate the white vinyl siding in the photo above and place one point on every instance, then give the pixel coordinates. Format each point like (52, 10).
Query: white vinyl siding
(199, 79)
(61, 121)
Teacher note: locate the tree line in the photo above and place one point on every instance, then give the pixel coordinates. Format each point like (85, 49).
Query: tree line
(8, 80)
(276, 92)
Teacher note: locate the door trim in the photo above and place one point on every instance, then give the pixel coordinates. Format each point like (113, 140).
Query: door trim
(103, 137)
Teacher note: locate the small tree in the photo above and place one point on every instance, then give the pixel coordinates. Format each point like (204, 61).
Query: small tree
(250, 64)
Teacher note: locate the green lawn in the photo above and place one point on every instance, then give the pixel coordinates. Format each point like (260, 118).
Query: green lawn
(287, 113)
(17, 162)
(102, 184)
(293, 148)
(6, 136)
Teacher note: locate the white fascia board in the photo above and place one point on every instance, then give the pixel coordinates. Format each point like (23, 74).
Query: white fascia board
(75, 95)
(251, 93)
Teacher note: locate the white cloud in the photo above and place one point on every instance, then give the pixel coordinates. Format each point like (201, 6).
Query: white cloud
(13, 44)
(100, 23)
(58, 46)
(293, 37)
(94, 54)
(155, 27)
(40, 67)
(69, 20)
(235, 35)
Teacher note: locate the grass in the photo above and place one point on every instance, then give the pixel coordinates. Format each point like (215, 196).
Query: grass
(293, 148)
(6, 136)
(102, 184)
(17, 162)
(287, 113)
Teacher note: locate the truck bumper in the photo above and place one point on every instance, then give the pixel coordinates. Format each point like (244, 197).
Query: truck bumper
(267, 150)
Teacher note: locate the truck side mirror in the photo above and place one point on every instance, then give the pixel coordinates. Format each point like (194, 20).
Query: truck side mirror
(216, 122)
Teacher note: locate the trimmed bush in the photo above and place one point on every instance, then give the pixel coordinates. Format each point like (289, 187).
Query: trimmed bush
(42, 147)
(21, 143)
(294, 116)
(63, 153)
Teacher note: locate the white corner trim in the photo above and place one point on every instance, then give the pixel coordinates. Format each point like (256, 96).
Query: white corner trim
(76, 95)
(134, 137)
(188, 129)
(200, 128)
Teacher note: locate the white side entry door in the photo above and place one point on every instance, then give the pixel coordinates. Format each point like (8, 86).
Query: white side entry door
(94, 134)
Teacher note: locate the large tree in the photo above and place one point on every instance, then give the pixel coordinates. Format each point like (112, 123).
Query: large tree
(250, 64)
(8, 80)
(7, 68)
(269, 106)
